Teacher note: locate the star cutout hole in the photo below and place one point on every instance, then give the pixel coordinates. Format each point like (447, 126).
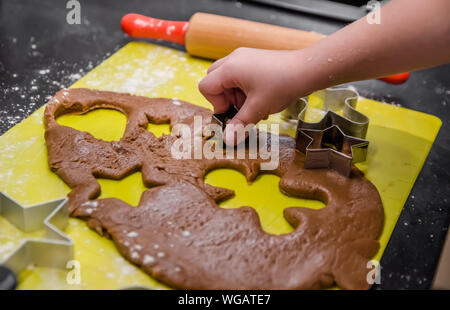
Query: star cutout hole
(159, 129)
(128, 189)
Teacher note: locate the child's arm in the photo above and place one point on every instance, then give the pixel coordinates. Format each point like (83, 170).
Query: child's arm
(413, 34)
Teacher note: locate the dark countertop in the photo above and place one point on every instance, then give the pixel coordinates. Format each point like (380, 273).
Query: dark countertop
(40, 53)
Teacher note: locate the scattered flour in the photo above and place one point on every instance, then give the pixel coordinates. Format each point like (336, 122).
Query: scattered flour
(93, 204)
(148, 259)
(132, 234)
(135, 255)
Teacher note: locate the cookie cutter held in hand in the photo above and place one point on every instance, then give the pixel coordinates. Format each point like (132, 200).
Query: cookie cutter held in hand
(53, 250)
(222, 118)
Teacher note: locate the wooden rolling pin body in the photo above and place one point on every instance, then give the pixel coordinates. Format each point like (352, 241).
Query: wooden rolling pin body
(214, 36)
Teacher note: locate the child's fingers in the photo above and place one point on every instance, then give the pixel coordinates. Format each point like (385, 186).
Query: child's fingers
(229, 96)
(248, 114)
(211, 86)
(219, 102)
(240, 97)
(216, 64)
(235, 96)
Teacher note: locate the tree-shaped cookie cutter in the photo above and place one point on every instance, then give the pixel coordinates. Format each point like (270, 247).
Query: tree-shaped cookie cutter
(54, 250)
(352, 123)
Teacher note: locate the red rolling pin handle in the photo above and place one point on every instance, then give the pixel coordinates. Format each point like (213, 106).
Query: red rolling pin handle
(136, 25)
(396, 78)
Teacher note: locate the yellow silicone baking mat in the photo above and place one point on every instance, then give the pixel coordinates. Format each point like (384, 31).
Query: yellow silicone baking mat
(400, 140)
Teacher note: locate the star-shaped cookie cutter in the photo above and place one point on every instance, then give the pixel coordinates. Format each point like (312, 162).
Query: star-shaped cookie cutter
(351, 122)
(331, 148)
(336, 141)
(53, 250)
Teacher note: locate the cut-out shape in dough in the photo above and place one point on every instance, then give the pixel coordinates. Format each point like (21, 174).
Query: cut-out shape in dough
(263, 195)
(159, 129)
(95, 123)
(128, 189)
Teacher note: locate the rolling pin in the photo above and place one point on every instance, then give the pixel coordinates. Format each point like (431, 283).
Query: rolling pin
(214, 36)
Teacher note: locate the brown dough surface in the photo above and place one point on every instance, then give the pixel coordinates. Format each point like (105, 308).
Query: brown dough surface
(180, 236)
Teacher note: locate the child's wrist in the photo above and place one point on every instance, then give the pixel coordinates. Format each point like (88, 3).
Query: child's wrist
(311, 74)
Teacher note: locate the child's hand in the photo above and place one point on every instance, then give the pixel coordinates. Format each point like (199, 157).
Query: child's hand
(257, 82)
(261, 82)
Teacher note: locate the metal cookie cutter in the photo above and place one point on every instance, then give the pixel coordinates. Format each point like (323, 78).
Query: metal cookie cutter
(335, 141)
(330, 148)
(54, 250)
(223, 118)
(352, 122)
